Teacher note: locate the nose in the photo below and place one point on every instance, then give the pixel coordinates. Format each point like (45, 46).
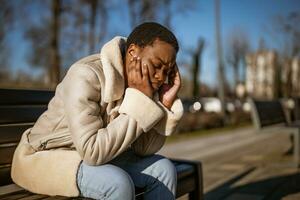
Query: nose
(159, 75)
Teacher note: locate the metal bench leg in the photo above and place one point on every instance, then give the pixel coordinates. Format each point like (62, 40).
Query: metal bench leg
(197, 194)
(296, 147)
(193, 196)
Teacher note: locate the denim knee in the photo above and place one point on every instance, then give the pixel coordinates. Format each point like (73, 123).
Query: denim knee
(124, 186)
(162, 178)
(106, 182)
(166, 169)
(163, 170)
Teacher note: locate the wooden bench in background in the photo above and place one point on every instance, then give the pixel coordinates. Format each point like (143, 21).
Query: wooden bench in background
(269, 116)
(19, 109)
(297, 109)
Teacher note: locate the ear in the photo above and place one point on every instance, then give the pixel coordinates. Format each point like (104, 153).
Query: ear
(133, 50)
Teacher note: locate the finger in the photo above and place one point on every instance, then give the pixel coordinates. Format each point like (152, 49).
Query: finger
(145, 72)
(135, 71)
(177, 73)
(146, 75)
(131, 70)
(132, 64)
(138, 69)
(177, 78)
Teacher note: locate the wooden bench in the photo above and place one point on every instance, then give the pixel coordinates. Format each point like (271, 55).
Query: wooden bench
(269, 116)
(297, 108)
(19, 109)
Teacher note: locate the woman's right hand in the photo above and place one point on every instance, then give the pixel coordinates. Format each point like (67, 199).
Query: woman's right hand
(138, 77)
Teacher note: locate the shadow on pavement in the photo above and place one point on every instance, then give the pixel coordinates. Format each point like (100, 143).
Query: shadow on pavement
(275, 188)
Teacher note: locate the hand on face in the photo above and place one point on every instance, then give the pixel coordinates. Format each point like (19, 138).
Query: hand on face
(138, 76)
(149, 66)
(168, 92)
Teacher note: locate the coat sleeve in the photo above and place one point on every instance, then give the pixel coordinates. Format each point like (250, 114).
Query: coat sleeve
(95, 143)
(168, 124)
(148, 143)
(152, 141)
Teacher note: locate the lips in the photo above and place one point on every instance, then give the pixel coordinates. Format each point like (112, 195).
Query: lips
(155, 84)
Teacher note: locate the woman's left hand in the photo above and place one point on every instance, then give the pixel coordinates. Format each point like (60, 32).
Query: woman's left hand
(168, 92)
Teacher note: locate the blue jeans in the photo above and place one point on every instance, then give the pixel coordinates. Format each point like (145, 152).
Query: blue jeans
(118, 178)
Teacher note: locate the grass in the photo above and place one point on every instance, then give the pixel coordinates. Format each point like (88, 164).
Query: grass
(205, 132)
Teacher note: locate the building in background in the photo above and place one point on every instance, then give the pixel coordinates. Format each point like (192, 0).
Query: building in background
(295, 77)
(268, 77)
(262, 74)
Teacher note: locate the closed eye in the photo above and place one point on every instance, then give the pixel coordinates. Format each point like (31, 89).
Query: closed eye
(157, 66)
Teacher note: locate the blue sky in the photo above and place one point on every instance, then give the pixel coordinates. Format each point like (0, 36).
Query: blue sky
(252, 16)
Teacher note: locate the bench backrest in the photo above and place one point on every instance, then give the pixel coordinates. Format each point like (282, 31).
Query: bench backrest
(267, 112)
(297, 108)
(19, 109)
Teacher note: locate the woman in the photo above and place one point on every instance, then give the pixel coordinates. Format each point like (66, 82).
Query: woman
(110, 114)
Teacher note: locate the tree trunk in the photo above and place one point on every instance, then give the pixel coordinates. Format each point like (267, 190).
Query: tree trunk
(236, 75)
(167, 19)
(54, 48)
(132, 12)
(92, 22)
(221, 78)
(197, 68)
(103, 22)
(244, 67)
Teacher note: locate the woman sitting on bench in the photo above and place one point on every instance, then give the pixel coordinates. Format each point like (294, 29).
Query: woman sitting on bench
(110, 114)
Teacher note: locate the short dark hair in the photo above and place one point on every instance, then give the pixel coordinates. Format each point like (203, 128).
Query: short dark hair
(146, 33)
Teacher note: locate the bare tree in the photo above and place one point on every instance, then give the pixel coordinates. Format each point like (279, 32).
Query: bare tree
(93, 4)
(286, 32)
(157, 10)
(6, 24)
(73, 32)
(54, 42)
(221, 76)
(44, 38)
(237, 47)
(84, 28)
(196, 67)
(142, 10)
(262, 44)
(97, 13)
(103, 19)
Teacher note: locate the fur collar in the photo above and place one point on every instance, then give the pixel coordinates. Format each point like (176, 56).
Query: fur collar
(112, 64)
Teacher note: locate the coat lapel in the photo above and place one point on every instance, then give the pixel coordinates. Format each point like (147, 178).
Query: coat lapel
(112, 64)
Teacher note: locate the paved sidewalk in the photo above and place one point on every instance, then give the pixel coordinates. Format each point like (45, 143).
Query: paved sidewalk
(236, 159)
(205, 146)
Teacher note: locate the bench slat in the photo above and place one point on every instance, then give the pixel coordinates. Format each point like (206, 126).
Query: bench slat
(12, 132)
(269, 112)
(34, 197)
(12, 188)
(17, 195)
(20, 114)
(7, 153)
(184, 170)
(56, 197)
(24, 97)
(185, 185)
(5, 178)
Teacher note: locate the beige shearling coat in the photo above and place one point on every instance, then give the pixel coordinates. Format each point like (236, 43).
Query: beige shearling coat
(93, 118)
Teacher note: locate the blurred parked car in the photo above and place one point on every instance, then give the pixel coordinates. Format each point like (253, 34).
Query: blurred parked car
(205, 113)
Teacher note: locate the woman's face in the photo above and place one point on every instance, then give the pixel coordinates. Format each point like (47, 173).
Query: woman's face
(160, 57)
